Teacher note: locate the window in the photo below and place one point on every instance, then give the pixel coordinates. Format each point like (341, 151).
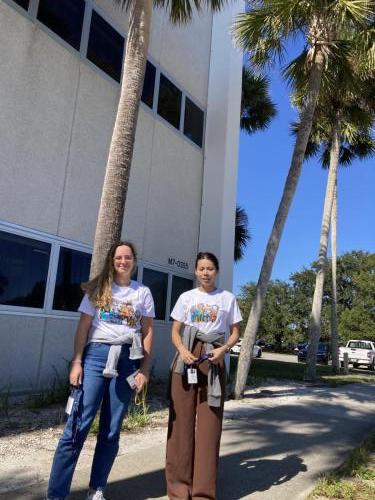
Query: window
(179, 286)
(73, 269)
(23, 270)
(193, 124)
(158, 284)
(106, 47)
(23, 3)
(169, 105)
(149, 84)
(64, 18)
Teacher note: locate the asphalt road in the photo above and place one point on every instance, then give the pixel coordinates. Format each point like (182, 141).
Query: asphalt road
(275, 444)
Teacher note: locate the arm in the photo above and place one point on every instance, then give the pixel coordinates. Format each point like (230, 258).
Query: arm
(144, 373)
(187, 357)
(80, 339)
(219, 353)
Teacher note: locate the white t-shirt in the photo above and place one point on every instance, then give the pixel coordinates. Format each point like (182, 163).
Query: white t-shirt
(209, 312)
(129, 304)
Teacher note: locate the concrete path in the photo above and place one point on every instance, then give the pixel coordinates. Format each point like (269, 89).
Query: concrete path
(275, 444)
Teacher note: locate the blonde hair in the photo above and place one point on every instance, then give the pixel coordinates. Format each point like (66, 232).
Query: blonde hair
(99, 289)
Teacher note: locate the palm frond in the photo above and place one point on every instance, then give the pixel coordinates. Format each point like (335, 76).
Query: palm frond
(359, 12)
(346, 156)
(257, 108)
(181, 11)
(296, 72)
(242, 234)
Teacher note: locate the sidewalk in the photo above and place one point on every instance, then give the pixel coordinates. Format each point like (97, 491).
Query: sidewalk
(275, 444)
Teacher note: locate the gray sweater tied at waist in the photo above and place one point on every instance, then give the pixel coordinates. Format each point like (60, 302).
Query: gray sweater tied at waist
(116, 342)
(211, 341)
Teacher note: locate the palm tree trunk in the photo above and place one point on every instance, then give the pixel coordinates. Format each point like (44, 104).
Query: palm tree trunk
(315, 317)
(273, 243)
(334, 332)
(112, 204)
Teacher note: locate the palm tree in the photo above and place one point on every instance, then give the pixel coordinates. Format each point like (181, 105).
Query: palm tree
(116, 181)
(341, 131)
(339, 141)
(263, 31)
(257, 111)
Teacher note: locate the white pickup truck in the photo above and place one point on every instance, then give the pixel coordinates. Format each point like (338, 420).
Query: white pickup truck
(361, 352)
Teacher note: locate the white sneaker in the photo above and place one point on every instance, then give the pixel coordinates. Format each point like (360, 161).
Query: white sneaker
(95, 495)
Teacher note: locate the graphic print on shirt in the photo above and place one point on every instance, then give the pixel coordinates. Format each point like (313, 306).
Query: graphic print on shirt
(204, 313)
(121, 313)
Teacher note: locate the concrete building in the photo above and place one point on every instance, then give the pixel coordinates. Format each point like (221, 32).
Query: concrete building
(59, 85)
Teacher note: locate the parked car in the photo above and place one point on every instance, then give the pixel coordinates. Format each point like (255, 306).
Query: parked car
(360, 352)
(323, 354)
(299, 346)
(236, 349)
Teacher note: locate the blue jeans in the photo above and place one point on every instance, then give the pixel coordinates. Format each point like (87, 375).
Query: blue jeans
(114, 395)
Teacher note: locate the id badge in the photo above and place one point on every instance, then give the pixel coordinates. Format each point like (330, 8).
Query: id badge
(192, 376)
(69, 405)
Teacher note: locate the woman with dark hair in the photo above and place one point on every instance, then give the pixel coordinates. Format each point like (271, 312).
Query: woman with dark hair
(113, 342)
(205, 328)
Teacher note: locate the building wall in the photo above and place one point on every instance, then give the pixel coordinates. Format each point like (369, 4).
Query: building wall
(57, 115)
(221, 145)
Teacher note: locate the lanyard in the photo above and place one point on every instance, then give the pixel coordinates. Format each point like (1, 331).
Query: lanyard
(203, 358)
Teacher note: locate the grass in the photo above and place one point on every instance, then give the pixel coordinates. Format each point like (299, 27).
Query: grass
(262, 369)
(137, 417)
(5, 401)
(354, 480)
(56, 393)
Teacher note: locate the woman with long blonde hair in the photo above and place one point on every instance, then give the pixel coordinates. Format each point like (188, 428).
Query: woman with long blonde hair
(112, 343)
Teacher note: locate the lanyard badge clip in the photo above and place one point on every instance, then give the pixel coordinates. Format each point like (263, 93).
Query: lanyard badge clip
(192, 375)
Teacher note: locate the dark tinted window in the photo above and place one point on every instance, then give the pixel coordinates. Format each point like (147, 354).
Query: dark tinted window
(65, 18)
(106, 47)
(23, 270)
(23, 3)
(73, 269)
(169, 104)
(149, 84)
(193, 124)
(158, 284)
(179, 286)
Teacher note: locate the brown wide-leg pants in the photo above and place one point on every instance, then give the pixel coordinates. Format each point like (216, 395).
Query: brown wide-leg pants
(194, 432)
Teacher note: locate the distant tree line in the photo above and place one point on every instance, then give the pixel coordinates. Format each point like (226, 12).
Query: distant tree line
(285, 317)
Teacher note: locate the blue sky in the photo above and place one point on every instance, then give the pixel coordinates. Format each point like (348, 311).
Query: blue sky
(263, 165)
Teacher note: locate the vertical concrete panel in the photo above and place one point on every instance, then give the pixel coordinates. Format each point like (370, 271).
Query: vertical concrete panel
(38, 82)
(174, 201)
(194, 43)
(221, 145)
(139, 185)
(57, 350)
(94, 117)
(21, 339)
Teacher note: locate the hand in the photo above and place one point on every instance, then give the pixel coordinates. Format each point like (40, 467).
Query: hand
(217, 355)
(141, 379)
(187, 357)
(76, 374)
